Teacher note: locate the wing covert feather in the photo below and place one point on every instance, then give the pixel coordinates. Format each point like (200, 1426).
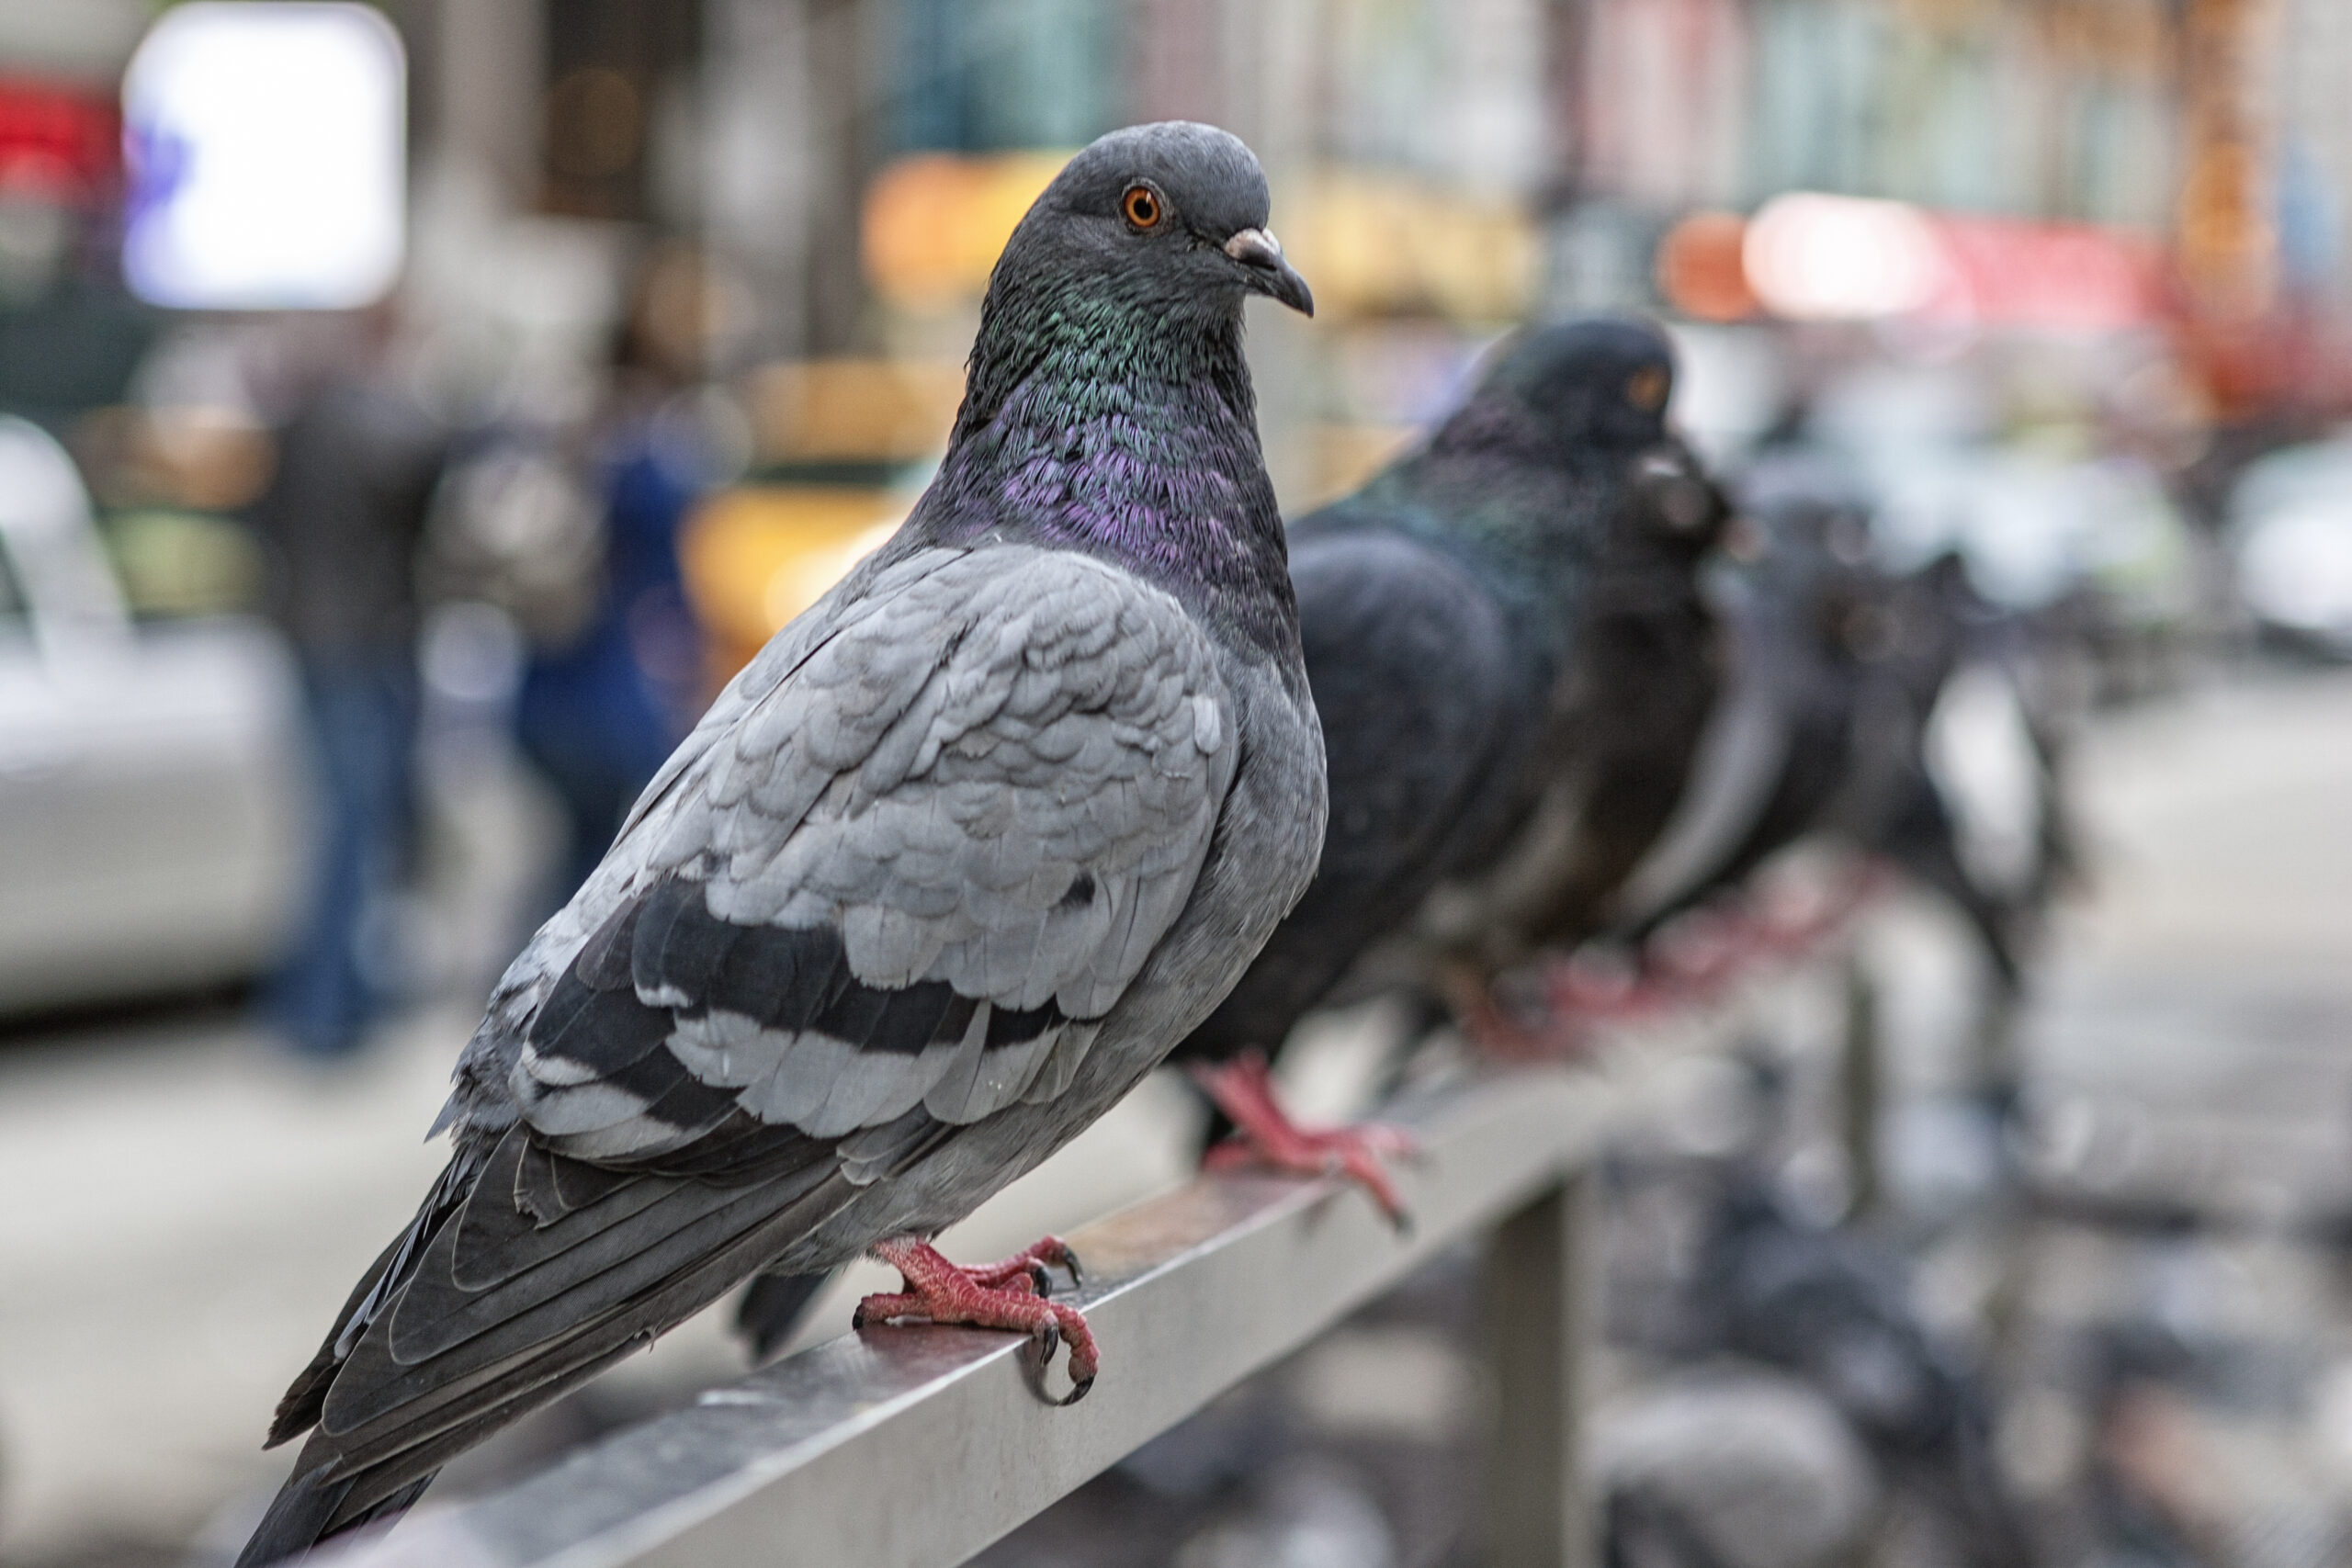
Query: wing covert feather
(908, 874)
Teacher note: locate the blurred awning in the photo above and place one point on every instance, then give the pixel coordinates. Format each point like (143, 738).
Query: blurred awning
(2049, 274)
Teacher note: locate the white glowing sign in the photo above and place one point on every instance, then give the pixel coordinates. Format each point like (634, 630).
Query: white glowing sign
(265, 143)
(1829, 257)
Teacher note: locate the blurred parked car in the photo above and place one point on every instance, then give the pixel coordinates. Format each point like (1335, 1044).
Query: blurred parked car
(2290, 533)
(151, 786)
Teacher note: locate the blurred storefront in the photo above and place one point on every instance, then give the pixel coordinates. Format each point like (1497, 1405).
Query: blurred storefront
(851, 168)
(2097, 171)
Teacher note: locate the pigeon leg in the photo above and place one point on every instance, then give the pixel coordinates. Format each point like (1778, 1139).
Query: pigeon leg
(1264, 1134)
(1587, 987)
(995, 1296)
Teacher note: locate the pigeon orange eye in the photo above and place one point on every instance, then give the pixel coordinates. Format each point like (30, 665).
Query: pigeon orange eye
(1141, 204)
(1645, 388)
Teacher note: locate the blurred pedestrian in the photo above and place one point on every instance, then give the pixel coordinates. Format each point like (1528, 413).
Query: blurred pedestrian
(341, 521)
(601, 711)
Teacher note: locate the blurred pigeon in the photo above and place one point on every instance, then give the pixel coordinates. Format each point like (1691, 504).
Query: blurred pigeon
(1863, 705)
(1834, 1307)
(1725, 1468)
(1510, 658)
(1780, 744)
(941, 875)
(2001, 843)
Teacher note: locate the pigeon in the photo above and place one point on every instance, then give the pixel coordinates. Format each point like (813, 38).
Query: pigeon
(1858, 707)
(1800, 605)
(1508, 658)
(1833, 1306)
(1730, 1467)
(940, 876)
(1986, 822)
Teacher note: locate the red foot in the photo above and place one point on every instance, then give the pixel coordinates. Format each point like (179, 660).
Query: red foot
(1584, 987)
(1009, 1294)
(1794, 924)
(1697, 954)
(1265, 1135)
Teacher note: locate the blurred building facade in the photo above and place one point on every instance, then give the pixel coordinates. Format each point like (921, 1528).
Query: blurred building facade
(845, 169)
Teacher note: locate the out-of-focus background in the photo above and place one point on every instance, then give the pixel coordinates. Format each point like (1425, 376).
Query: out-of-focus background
(415, 412)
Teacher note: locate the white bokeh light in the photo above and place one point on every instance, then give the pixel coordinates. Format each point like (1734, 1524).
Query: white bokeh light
(1814, 257)
(266, 162)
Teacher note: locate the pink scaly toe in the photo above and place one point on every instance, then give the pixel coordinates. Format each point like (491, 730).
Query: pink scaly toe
(1008, 1296)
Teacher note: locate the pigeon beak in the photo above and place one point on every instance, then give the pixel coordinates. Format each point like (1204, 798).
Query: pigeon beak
(1261, 254)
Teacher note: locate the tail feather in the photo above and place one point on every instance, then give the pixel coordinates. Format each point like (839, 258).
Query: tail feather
(375, 1466)
(305, 1402)
(304, 1513)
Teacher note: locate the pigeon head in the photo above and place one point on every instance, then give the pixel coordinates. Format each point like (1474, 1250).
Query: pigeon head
(1582, 396)
(1107, 405)
(1171, 218)
(1545, 456)
(1131, 267)
(1601, 381)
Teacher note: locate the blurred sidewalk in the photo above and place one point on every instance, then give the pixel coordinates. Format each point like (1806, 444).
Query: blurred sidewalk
(2183, 1322)
(182, 1213)
(2189, 1044)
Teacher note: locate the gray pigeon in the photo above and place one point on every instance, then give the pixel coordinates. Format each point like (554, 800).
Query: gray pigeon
(938, 879)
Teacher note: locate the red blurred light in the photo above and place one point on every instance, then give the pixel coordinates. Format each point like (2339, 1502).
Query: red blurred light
(2069, 276)
(1813, 256)
(65, 142)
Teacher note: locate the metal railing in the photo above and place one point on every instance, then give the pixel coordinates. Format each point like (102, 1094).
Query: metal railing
(917, 1447)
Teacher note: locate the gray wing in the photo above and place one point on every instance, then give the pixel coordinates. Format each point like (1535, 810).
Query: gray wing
(915, 872)
(894, 886)
(873, 587)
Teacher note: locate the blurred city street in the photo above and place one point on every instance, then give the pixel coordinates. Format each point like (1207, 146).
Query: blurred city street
(209, 1203)
(1819, 535)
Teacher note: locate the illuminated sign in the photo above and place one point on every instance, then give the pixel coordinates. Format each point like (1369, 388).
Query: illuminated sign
(264, 146)
(1807, 256)
(1816, 258)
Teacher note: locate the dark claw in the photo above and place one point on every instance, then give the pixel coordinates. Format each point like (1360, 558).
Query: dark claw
(1039, 1280)
(1077, 1275)
(858, 1315)
(1046, 1342)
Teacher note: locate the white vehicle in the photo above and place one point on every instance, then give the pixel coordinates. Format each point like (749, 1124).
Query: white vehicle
(2291, 530)
(152, 800)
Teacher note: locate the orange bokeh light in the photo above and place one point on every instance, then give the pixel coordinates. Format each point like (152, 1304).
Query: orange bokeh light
(1700, 270)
